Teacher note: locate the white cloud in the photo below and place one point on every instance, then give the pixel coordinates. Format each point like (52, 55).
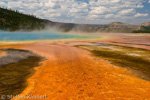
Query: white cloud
(2, 4)
(115, 1)
(149, 1)
(126, 11)
(98, 10)
(109, 15)
(78, 11)
(140, 15)
(140, 6)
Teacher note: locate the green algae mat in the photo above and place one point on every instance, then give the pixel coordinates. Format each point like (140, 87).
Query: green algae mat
(134, 58)
(13, 75)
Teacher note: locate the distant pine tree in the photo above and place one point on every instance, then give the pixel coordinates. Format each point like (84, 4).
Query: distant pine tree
(13, 20)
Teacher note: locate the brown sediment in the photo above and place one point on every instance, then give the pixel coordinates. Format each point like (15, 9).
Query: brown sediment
(140, 41)
(2, 53)
(128, 57)
(71, 73)
(15, 69)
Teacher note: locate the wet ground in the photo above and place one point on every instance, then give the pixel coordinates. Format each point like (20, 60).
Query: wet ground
(15, 67)
(129, 57)
(72, 73)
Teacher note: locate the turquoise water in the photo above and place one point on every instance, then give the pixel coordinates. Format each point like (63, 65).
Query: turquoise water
(33, 36)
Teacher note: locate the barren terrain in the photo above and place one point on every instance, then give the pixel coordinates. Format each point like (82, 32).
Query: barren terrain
(71, 73)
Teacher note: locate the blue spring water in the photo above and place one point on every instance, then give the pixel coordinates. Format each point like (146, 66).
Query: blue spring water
(33, 36)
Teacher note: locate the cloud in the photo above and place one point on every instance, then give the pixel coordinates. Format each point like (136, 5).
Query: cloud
(93, 11)
(109, 15)
(3, 4)
(140, 15)
(126, 11)
(98, 10)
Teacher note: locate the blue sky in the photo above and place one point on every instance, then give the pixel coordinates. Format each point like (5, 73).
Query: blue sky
(84, 11)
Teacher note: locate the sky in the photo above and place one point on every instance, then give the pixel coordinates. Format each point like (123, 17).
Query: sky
(84, 11)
